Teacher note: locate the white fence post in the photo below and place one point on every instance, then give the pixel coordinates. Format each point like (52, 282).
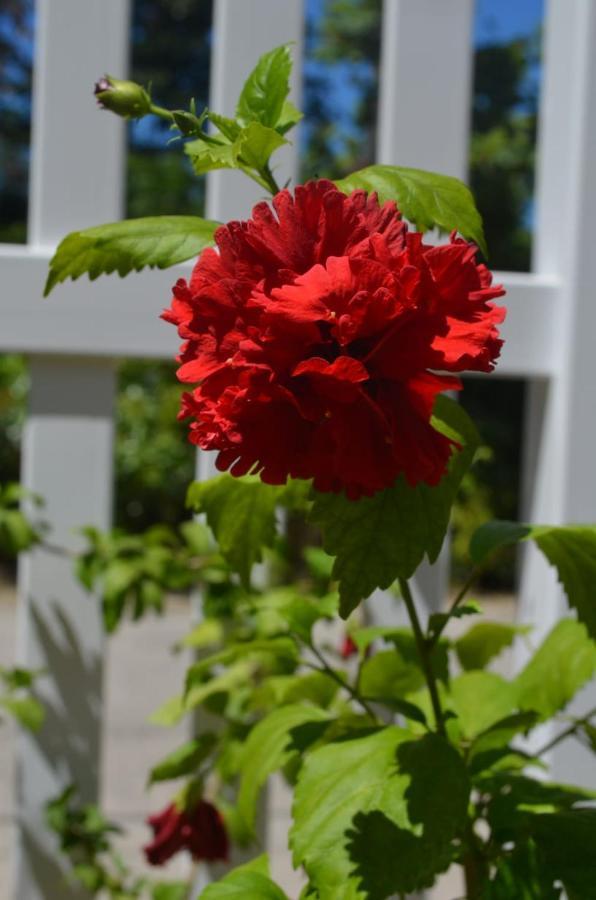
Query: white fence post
(563, 413)
(76, 181)
(424, 112)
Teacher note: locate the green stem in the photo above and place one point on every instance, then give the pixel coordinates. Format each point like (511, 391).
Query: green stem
(161, 112)
(269, 178)
(473, 577)
(327, 670)
(424, 652)
(568, 732)
(474, 866)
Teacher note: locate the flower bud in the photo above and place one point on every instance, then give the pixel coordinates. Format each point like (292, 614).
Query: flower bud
(125, 98)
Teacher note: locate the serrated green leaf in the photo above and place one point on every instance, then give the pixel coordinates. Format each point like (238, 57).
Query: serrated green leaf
(376, 815)
(480, 699)
(241, 514)
(269, 747)
(184, 760)
(206, 157)
(230, 128)
(484, 641)
(572, 550)
(426, 199)
(378, 539)
(266, 88)
(563, 663)
(155, 241)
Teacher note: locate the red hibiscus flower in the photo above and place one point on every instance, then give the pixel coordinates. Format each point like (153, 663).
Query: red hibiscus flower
(318, 337)
(200, 831)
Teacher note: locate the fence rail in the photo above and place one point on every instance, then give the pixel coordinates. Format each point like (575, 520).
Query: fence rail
(73, 340)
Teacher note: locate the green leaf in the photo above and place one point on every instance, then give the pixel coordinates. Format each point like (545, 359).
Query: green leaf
(170, 890)
(248, 882)
(241, 514)
(266, 88)
(174, 709)
(378, 539)
(437, 621)
(405, 643)
(26, 710)
(376, 815)
(184, 760)
(491, 536)
(256, 143)
(491, 748)
(387, 676)
(563, 663)
(156, 241)
(570, 548)
(269, 747)
(289, 117)
(208, 633)
(426, 199)
(298, 612)
(484, 641)
(228, 127)
(206, 157)
(480, 699)
(566, 840)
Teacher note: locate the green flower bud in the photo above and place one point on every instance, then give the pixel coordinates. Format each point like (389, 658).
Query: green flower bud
(125, 98)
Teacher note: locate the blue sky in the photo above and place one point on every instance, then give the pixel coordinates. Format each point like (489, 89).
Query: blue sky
(502, 20)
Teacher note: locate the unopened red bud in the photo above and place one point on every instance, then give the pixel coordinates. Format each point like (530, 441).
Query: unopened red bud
(125, 98)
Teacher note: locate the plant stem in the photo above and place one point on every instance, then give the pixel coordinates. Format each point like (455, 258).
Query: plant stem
(474, 865)
(568, 732)
(326, 668)
(162, 113)
(424, 652)
(472, 578)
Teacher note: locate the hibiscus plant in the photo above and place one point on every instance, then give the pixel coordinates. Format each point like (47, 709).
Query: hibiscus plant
(322, 340)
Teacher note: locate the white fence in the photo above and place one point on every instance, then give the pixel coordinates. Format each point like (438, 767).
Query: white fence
(73, 339)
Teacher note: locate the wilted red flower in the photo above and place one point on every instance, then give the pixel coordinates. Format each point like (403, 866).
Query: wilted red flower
(316, 338)
(200, 830)
(348, 647)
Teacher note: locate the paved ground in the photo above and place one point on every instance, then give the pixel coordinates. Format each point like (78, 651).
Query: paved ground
(141, 672)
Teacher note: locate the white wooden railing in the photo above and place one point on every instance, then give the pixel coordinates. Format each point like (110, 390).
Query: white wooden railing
(73, 340)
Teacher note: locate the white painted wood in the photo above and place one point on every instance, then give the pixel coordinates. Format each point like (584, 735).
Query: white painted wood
(76, 180)
(563, 421)
(243, 32)
(67, 457)
(425, 82)
(77, 153)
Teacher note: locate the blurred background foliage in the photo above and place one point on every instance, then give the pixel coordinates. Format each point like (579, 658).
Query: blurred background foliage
(171, 42)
